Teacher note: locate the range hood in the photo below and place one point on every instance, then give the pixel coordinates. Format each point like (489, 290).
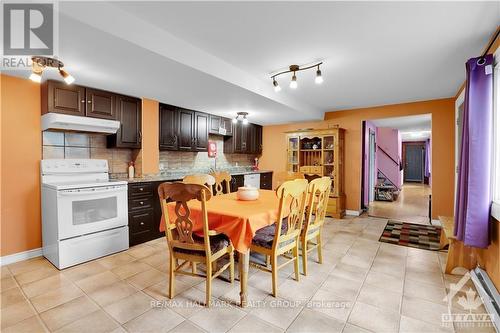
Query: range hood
(76, 123)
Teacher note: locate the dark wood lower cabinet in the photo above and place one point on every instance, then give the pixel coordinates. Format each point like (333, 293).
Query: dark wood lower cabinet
(237, 181)
(144, 212)
(266, 181)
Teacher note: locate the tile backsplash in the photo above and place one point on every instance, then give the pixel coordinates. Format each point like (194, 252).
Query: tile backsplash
(57, 144)
(175, 161)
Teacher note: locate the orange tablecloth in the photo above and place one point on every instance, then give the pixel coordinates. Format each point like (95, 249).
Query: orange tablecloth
(239, 220)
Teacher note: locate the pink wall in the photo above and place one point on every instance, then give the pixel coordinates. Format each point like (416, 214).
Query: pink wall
(389, 140)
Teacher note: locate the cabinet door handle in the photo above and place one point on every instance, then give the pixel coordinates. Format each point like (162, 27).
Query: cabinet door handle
(140, 136)
(142, 202)
(141, 189)
(89, 101)
(142, 223)
(83, 101)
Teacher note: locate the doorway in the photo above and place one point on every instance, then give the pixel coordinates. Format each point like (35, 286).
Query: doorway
(414, 161)
(396, 168)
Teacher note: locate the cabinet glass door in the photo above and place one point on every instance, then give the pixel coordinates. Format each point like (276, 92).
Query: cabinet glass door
(329, 158)
(293, 154)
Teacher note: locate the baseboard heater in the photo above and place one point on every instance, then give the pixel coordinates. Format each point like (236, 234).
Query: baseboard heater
(488, 294)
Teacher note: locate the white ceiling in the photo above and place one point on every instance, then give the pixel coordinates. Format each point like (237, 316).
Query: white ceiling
(412, 128)
(217, 56)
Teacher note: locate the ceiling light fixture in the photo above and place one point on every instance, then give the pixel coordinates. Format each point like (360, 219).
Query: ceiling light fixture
(243, 116)
(41, 63)
(294, 69)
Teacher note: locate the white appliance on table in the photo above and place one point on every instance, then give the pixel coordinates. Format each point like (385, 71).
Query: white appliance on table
(252, 180)
(84, 213)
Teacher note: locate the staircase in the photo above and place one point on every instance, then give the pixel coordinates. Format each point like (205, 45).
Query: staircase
(385, 189)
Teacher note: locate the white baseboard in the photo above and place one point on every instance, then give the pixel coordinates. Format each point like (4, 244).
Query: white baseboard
(20, 256)
(352, 212)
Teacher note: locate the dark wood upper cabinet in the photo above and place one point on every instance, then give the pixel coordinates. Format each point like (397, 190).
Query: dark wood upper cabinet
(228, 125)
(256, 139)
(246, 139)
(217, 123)
(200, 129)
(168, 128)
(100, 104)
(62, 98)
(129, 113)
(186, 129)
(240, 138)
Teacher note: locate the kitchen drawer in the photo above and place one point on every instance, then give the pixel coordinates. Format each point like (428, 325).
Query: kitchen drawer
(140, 189)
(140, 226)
(140, 203)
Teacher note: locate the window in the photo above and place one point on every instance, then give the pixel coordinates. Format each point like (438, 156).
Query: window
(495, 209)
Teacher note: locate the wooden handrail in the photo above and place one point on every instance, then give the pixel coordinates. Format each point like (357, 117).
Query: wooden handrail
(397, 163)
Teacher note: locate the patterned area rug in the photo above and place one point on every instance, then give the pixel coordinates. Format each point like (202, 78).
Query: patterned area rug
(414, 235)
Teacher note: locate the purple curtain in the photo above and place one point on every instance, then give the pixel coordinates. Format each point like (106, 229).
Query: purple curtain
(472, 207)
(427, 171)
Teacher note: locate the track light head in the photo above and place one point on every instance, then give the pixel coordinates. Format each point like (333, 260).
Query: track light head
(319, 77)
(66, 76)
(293, 83)
(277, 87)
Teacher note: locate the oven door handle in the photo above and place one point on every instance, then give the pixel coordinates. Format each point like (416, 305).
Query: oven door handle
(92, 191)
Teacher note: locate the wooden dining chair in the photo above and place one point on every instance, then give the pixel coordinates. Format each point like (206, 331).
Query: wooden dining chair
(283, 236)
(317, 203)
(284, 176)
(200, 179)
(222, 182)
(186, 246)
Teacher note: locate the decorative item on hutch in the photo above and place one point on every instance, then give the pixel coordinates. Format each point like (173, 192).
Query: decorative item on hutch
(320, 152)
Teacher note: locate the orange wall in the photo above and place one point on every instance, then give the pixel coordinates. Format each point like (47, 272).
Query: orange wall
(150, 152)
(443, 143)
(21, 152)
(21, 149)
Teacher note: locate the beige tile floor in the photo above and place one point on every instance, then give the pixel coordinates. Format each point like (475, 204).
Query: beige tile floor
(411, 206)
(362, 286)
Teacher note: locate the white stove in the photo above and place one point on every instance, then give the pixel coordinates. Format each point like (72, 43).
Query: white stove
(84, 213)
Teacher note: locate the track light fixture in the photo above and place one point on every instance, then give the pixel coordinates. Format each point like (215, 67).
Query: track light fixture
(243, 116)
(41, 63)
(294, 69)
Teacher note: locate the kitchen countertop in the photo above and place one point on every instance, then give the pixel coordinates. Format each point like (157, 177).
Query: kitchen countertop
(180, 175)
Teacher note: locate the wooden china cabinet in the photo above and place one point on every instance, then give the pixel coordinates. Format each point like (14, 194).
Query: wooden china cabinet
(320, 152)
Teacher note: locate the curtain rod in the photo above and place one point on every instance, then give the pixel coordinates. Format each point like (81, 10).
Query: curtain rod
(491, 42)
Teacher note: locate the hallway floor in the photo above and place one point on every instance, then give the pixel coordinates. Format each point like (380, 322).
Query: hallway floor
(411, 206)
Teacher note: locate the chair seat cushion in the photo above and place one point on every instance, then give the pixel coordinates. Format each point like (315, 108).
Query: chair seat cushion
(312, 229)
(264, 237)
(217, 243)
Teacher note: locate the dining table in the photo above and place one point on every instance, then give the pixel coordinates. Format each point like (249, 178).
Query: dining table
(239, 220)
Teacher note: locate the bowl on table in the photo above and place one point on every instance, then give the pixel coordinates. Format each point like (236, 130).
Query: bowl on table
(247, 193)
